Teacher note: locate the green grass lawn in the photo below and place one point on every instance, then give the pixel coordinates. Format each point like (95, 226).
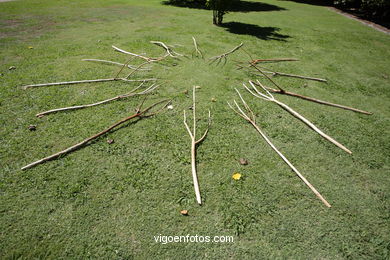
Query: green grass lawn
(110, 200)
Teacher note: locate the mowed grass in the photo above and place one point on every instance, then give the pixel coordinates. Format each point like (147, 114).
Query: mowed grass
(110, 200)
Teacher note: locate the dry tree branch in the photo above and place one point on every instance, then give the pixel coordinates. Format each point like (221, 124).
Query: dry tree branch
(138, 114)
(85, 81)
(114, 63)
(273, 60)
(269, 97)
(197, 51)
(169, 51)
(275, 73)
(251, 119)
(194, 142)
(140, 56)
(278, 91)
(223, 56)
(130, 94)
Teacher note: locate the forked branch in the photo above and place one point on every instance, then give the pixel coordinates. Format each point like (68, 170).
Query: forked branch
(115, 63)
(223, 56)
(248, 115)
(140, 113)
(148, 59)
(194, 143)
(197, 51)
(283, 92)
(169, 50)
(130, 94)
(269, 97)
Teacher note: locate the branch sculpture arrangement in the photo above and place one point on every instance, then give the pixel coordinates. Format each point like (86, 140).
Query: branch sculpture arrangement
(194, 144)
(246, 113)
(269, 97)
(250, 117)
(140, 113)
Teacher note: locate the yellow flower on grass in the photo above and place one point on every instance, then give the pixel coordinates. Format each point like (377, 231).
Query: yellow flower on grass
(236, 176)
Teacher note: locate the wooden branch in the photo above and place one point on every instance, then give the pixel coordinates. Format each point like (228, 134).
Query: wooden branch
(269, 97)
(198, 52)
(224, 55)
(139, 114)
(114, 63)
(169, 51)
(278, 91)
(130, 94)
(194, 143)
(140, 56)
(275, 73)
(273, 60)
(84, 81)
(251, 120)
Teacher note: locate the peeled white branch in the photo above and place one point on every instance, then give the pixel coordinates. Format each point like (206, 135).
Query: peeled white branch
(140, 56)
(269, 97)
(224, 55)
(283, 92)
(169, 51)
(198, 52)
(85, 81)
(194, 142)
(130, 94)
(251, 119)
(114, 63)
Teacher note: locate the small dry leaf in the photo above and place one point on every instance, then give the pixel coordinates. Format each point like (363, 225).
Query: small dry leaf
(243, 161)
(185, 91)
(184, 212)
(32, 127)
(236, 176)
(110, 141)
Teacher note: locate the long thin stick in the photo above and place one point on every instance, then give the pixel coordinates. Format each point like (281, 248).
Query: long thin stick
(196, 48)
(224, 55)
(139, 113)
(194, 143)
(275, 73)
(113, 63)
(278, 91)
(85, 81)
(140, 56)
(130, 94)
(251, 119)
(270, 97)
(273, 60)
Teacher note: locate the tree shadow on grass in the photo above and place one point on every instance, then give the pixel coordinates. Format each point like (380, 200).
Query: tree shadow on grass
(264, 33)
(241, 6)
